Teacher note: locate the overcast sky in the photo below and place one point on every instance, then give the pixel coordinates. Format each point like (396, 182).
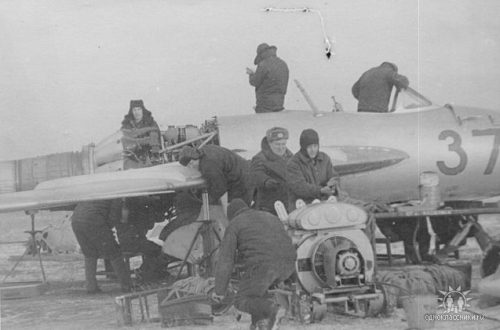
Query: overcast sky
(68, 69)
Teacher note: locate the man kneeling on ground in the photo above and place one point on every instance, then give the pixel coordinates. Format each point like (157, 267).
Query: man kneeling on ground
(267, 256)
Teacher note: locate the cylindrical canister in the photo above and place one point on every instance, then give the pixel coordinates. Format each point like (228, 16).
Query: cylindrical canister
(430, 192)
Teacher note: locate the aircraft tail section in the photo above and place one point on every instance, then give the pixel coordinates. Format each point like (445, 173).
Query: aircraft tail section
(25, 174)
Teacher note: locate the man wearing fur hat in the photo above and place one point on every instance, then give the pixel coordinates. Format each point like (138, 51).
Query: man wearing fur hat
(310, 173)
(270, 79)
(139, 124)
(223, 170)
(269, 170)
(310, 176)
(373, 89)
(267, 257)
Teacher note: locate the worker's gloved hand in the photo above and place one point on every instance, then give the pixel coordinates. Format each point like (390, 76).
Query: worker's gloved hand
(327, 191)
(217, 298)
(272, 184)
(333, 182)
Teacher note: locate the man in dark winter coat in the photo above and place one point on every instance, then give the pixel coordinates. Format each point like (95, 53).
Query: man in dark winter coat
(141, 215)
(140, 125)
(188, 206)
(93, 224)
(267, 257)
(374, 87)
(270, 79)
(223, 170)
(310, 173)
(310, 176)
(269, 170)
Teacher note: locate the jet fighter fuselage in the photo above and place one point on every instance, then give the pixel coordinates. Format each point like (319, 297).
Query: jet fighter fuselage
(380, 156)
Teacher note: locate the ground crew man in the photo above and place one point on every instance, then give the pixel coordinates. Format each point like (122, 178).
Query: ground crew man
(267, 257)
(269, 170)
(93, 224)
(373, 89)
(270, 79)
(310, 173)
(310, 176)
(140, 125)
(142, 213)
(223, 170)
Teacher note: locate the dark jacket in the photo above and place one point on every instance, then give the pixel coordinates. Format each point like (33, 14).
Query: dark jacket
(143, 212)
(258, 238)
(224, 171)
(92, 223)
(270, 81)
(306, 178)
(147, 121)
(373, 88)
(98, 213)
(267, 165)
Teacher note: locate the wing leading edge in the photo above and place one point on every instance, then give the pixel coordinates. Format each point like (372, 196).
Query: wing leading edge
(137, 182)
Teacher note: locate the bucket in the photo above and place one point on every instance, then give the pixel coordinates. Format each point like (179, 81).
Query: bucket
(416, 307)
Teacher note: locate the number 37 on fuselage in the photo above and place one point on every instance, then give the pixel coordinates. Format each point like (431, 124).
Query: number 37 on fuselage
(381, 155)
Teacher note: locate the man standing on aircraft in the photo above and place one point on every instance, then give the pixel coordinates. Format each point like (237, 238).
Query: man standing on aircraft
(223, 170)
(267, 256)
(373, 89)
(93, 224)
(140, 124)
(270, 79)
(269, 170)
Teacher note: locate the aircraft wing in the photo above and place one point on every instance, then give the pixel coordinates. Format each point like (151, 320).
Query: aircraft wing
(70, 190)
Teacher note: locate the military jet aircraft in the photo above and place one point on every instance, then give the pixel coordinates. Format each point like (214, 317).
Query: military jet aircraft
(379, 156)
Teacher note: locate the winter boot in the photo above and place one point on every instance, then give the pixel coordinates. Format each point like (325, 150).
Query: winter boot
(122, 273)
(90, 273)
